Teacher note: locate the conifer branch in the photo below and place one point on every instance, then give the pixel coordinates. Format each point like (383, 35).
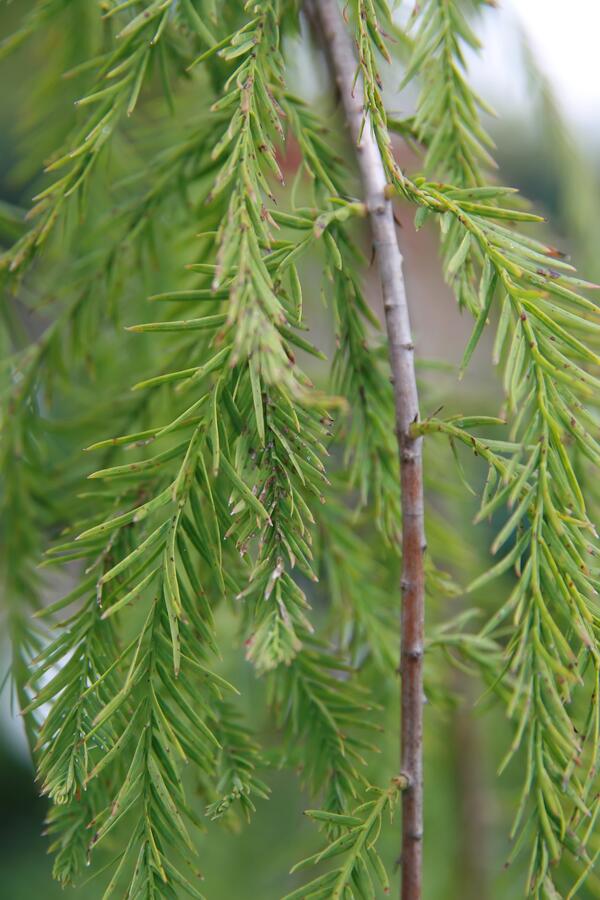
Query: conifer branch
(447, 120)
(237, 761)
(340, 52)
(120, 75)
(353, 838)
(326, 719)
(228, 482)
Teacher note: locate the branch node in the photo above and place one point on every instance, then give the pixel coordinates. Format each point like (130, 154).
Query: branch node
(402, 781)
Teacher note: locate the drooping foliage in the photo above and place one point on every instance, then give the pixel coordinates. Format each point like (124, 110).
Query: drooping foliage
(247, 471)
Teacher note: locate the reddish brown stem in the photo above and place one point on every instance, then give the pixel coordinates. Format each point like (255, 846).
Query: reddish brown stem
(340, 50)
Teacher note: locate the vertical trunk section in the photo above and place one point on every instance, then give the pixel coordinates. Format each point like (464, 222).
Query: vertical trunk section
(340, 51)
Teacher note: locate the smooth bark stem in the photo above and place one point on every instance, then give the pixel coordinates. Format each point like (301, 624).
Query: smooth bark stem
(340, 50)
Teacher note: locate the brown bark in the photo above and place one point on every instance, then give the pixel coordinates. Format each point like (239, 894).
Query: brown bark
(340, 50)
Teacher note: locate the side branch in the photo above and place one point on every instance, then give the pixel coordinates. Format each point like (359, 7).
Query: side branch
(339, 48)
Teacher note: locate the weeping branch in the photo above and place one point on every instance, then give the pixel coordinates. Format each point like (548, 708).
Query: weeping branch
(340, 51)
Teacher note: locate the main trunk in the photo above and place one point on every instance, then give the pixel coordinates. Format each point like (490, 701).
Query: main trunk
(339, 48)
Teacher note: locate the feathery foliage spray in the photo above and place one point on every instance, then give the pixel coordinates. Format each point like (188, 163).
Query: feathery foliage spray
(238, 472)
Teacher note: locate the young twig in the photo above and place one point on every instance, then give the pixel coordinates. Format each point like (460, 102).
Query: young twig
(340, 51)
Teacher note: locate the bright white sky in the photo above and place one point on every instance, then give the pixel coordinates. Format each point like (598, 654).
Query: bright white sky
(564, 35)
